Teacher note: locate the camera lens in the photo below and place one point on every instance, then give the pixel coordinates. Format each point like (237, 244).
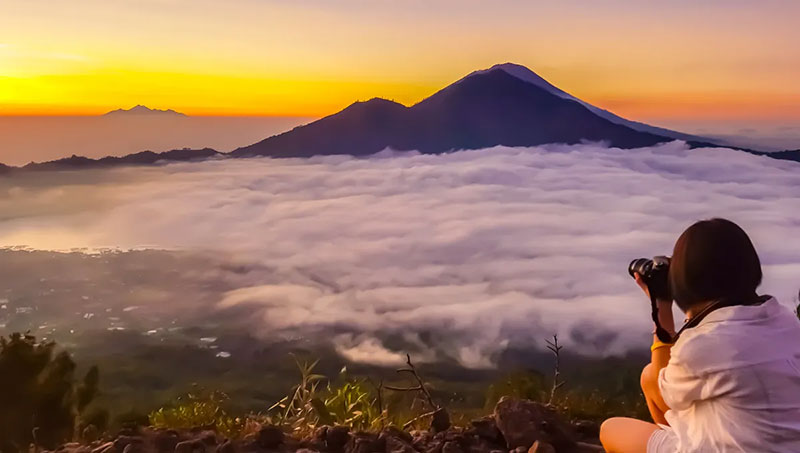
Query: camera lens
(641, 266)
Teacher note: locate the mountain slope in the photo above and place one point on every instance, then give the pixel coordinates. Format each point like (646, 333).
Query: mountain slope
(525, 74)
(360, 129)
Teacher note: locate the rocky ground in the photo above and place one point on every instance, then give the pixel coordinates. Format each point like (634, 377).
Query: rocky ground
(517, 426)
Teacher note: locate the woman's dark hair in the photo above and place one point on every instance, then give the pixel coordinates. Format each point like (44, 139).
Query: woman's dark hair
(712, 260)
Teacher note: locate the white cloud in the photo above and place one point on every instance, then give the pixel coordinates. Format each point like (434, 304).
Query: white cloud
(462, 254)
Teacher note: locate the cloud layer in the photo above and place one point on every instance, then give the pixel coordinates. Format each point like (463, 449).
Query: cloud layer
(459, 255)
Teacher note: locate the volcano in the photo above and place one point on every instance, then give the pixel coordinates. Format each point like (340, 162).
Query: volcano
(506, 105)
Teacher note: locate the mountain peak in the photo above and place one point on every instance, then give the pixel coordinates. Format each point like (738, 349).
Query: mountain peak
(526, 75)
(140, 109)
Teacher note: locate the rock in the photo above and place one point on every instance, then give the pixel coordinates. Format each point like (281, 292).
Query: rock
(433, 445)
(397, 445)
(452, 446)
(133, 448)
(486, 428)
(440, 420)
(363, 443)
(226, 447)
(165, 441)
(103, 448)
(523, 422)
(208, 437)
(123, 441)
(541, 447)
(393, 431)
(190, 446)
(269, 437)
(583, 447)
(320, 434)
(336, 437)
(587, 429)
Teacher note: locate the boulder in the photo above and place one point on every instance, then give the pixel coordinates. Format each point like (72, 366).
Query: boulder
(486, 428)
(164, 441)
(103, 448)
(207, 437)
(452, 446)
(123, 441)
(393, 431)
(363, 443)
(336, 437)
(397, 445)
(190, 446)
(587, 429)
(269, 437)
(226, 447)
(523, 422)
(134, 448)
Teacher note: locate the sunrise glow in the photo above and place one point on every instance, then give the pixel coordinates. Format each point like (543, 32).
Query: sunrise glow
(247, 57)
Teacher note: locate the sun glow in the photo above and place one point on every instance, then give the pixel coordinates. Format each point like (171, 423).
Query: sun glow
(246, 57)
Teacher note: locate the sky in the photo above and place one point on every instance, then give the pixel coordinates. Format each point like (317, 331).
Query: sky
(474, 250)
(712, 60)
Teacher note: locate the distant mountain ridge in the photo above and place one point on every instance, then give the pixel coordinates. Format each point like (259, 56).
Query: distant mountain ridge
(142, 110)
(507, 105)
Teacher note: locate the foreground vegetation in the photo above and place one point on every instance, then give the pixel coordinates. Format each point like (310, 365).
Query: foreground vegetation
(42, 384)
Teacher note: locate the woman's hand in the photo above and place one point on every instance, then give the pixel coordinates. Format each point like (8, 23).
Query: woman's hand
(641, 283)
(664, 306)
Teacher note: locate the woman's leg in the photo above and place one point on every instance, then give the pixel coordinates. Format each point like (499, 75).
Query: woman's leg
(652, 395)
(626, 435)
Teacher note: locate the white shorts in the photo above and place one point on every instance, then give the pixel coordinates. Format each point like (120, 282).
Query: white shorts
(663, 440)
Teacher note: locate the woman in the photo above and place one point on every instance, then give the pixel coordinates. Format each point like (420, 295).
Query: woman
(732, 381)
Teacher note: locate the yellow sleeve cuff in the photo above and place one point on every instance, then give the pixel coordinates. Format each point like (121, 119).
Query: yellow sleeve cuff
(658, 345)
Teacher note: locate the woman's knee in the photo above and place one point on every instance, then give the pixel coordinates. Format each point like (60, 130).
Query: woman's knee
(649, 379)
(610, 432)
(625, 435)
(607, 430)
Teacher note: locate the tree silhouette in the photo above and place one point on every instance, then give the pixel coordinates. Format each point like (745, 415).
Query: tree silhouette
(39, 401)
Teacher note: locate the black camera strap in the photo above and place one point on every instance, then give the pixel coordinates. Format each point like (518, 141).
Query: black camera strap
(695, 320)
(661, 333)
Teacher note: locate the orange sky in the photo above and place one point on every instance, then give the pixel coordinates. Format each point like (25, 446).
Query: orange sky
(680, 59)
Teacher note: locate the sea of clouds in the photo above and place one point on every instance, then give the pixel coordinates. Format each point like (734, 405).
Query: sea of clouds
(461, 255)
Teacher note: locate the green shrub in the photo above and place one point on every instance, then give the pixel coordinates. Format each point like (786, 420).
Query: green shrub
(198, 408)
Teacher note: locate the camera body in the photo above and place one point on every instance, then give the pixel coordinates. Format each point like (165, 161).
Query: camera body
(655, 274)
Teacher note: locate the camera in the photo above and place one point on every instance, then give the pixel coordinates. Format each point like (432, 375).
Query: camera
(655, 274)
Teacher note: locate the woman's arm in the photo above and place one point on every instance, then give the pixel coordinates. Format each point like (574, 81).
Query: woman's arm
(659, 357)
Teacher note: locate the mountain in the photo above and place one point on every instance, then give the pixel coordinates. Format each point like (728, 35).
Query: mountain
(141, 110)
(793, 155)
(486, 108)
(140, 158)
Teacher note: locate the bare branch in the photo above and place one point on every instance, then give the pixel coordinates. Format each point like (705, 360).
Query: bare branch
(555, 348)
(420, 387)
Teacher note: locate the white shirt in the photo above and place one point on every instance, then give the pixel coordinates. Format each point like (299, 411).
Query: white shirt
(733, 382)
